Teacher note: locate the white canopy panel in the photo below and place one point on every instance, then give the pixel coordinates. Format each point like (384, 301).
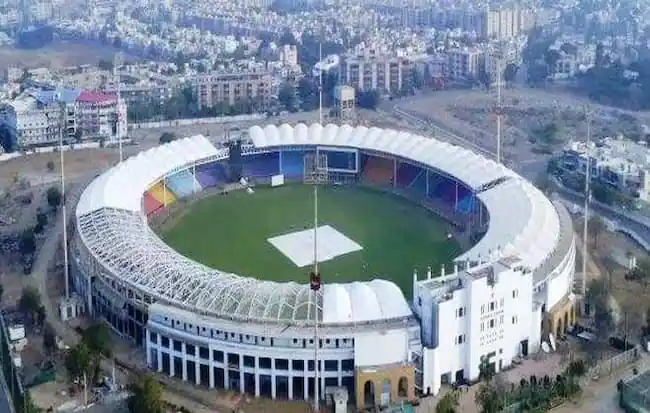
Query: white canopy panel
(474, 170)
(122, 186)
(523, 222)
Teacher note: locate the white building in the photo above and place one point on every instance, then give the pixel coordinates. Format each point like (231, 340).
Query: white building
(484, 312)
(620, 162)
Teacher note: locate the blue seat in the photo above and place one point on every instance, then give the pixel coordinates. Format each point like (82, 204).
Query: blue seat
(183, 184)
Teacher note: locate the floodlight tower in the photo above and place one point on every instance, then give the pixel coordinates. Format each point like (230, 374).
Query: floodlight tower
(585, 234)
(499, 108)
(116, 79)
(315, 282)
(63, 198)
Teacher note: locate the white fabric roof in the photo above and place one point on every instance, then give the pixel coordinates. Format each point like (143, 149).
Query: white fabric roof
(472, 169)
(112, 228)
(523, 222)
(122, 186)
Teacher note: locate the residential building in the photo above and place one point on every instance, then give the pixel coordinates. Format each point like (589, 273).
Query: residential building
(505, 23)
(619, 163)
(43, 117)
(371, 68)
(464, 63)
(216, 88)
(100, 116)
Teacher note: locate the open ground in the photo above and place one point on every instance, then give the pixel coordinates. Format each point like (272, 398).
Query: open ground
(396, 235)
(56, 55)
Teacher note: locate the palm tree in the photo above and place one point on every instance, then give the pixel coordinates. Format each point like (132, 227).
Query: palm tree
(449, 403)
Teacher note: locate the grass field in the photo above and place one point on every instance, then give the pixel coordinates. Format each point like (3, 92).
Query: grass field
(230, 233)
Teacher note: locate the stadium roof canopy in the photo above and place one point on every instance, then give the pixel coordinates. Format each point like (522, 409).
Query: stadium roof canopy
(112, 226)
(472, 169)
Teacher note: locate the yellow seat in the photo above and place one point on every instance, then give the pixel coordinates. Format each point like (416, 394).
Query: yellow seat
(162, 194)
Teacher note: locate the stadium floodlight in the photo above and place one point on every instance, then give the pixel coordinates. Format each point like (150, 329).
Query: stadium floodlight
(318, 176)
(64, 214)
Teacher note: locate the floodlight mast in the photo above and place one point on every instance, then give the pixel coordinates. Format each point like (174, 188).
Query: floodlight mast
(63, 201)
(315, 283)
(116, 79)
(585, 234)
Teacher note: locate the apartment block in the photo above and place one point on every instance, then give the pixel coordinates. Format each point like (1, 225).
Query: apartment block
(43, 117)
(214, 89)
(372, 69)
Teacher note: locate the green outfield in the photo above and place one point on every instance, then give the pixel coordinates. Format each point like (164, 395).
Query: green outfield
(231, 233)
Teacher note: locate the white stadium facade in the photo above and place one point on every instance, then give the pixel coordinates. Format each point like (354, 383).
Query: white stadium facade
(223, 330)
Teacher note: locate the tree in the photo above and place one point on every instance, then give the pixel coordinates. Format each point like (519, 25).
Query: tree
(449, 403)
(486, 369)
(49, 339)
(510, 72)
(287, 96)
(41, 218)
(54, 197)
(368, 99)
(488, 399)
(30, 302)
(27, 242)
(166, 137)
(41, 315)
(146, 395)
(78, 362)
(50, 166)
(596, 228)
(98, 339)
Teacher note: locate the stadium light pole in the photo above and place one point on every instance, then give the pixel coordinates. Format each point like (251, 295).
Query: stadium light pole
(63, 201)
(585, 234)
(320, 90)
(116, 79)
(499, 106)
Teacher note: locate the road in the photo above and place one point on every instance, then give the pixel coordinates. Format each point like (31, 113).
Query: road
(5, 405)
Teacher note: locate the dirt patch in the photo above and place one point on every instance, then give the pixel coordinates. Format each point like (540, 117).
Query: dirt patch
(34, 168)
(527, 112)
(57, 55)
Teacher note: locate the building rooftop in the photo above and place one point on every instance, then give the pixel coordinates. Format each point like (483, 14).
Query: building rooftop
(95, 97)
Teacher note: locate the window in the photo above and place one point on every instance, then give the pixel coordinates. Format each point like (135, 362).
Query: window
(514, 320)
(153, 337)
(501, 303)
(420, 301)
(189, 349)
(482, 327)
(460, 339)
(460, 312)
(492, 305)
(501, 319)
(515, 293)
(483, 309)
(491, 323)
